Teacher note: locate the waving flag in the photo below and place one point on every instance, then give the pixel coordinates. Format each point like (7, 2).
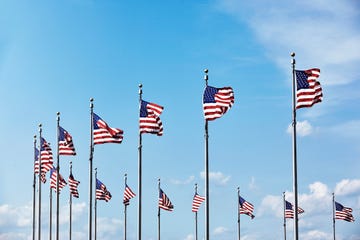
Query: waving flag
(45, 156)
(149, 118)
(66, 146)
(53, 176)
(343, 213)
(36, 166)
(128, 194)
(289, 210)
(101, 192)
(105, 134)
(309, 90)
(197, 200)
(216, 101)
(246, 207)
(164, 202)
(73, 184)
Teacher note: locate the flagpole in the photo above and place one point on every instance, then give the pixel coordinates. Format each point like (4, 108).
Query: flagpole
(125, 208)
(296, 233)
(238, 212)
(90, 168)
(159, 212)
(207, 237)
(70, 206)
(284, 203)
(50, 212)
(333, 214)
(34, 190)
(39, 193)
(196, 218)
(95, 213)
(139, 169)
(57, 177)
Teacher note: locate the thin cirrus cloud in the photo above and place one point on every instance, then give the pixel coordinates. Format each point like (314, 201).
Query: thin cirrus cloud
(217, 177)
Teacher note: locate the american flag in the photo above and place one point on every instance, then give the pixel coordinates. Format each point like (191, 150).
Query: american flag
(73, 184)
(164, 202)
(105, 134)
(343, 213)
(289, 210)
(128, 194)
(149, 118)
(66, 146)
(101, 192)
(36, 166)
(197, 200)
(45, 156)
(309, 89)
(246, 207)
(216, 101)
(53, 176)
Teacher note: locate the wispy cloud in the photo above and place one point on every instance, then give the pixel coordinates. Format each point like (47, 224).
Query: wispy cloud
(347, 187)
(303, 128)
(217, 177)
(189, 180)
(348, 129)
(220, 230)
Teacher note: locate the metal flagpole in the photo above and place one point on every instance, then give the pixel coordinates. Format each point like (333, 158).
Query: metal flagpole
(196, 218)
(125, 207)
(238, 212)
(50, 212)
(70, 206)
(34, 190)
(95, 213)
(39, 193)
(159, 213)
(57, 176)
(90, 168)
(206, 170)
(334, 214)
(139, 169)
(284, 203)
(296, 232)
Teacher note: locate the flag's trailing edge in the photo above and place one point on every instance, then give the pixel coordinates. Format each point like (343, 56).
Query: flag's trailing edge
(149, 121)
(101, 192)
(53, 175)
(216, 101)
(66, 145)
(343, 213)
(246, 207)
(289, 210)
(73, 184)
(164, 201)
(128, 194)
(309, 91)
(105, 134)
(197, 200)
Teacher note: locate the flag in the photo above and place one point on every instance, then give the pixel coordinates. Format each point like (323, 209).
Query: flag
(216, 102)
(149, 118)
(53, 175)
(197, 200)
(101, 192)
(246, 207)
(46, 157)
(36, 166)
(289, 210)
(128, 194)
(309, 89)
(105, 134)
(164, 202)
(343, 213)
(66, 146)
(73, 184)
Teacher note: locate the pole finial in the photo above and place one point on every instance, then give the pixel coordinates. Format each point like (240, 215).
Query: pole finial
(206, 77)
(140, 88)
(292, 54)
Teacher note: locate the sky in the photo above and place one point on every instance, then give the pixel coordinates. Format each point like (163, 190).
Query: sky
(56, 55)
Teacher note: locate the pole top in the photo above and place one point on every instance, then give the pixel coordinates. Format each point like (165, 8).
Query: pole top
(292, 54)
(206, 77)
(125, 175)
(34, 136)
(58, 113)
(40, 125)
(140, 88)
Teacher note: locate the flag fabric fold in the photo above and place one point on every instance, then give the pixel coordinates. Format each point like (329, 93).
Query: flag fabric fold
(164, 201)
(101, 191)
(66, 145)
(53, 176)
(46, 158)
(309, 91)
(73, 185)
(150, 118)
(216, 101)
(197, 200)
(36, 166)
(343, 213)
(246, 207)
(289, 210)
(128, 194)
(105, 134)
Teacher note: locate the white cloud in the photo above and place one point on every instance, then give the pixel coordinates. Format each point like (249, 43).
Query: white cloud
(347, 187)
(11, 216)
(316, 235)
(78, 209)
(303, 128)
(348, 129)
(220, 230)
(189, 237)
(252, 184)
(217, 177)
(183, 182)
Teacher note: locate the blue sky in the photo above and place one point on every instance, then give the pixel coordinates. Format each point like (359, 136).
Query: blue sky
(56, 55)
